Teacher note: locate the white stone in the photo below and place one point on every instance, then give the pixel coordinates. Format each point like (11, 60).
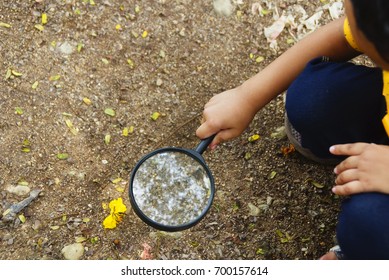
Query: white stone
(19, 190)
(73, 251)
(253, 210)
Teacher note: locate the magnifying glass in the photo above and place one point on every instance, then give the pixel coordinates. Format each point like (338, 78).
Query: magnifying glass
(171, 189)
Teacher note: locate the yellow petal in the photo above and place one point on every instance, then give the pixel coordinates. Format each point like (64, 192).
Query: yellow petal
(44, 18)
(117, 206)
(87, 101)
(253, 138)
(109, 222)
(117, 180)
(120, 189)
(125, 131)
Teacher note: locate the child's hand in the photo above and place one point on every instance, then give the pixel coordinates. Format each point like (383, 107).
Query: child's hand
(365, 170)
(227, 114)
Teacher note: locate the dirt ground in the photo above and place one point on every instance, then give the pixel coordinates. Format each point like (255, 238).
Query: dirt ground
(138, 58)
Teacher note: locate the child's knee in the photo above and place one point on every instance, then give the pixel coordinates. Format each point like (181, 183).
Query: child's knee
(363, 228)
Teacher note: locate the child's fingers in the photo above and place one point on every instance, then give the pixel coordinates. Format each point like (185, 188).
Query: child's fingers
(205, 130)
(352, 187)
(348, 149)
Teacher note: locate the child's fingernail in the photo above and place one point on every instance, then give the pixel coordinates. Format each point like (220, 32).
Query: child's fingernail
(213, 147)
(332, 149)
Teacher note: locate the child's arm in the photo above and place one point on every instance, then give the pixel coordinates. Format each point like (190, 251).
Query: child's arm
(230, 112)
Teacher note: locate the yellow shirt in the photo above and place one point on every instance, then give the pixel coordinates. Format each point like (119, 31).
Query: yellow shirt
(385, 74)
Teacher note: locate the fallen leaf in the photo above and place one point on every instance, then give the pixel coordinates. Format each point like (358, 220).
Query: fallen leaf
(16, 74)
(94, 240)
(26, 146)
(8, 74)
(155, 116)
(80, 46)
(105, 61)
(80, 239)
(39, 27)
(63, 156)
(272, 175)
(18, 111)
(125, 131)
(107, 139)
(6, 25)
(54, 227)
(35, 85)
(315, 184)
(131, 63)
(55, 78)
(22, 218)
(117, 180)
(72, 129)
(253, 138)
(120, 189)
(260, 251)
(259, 59)
(110, 112)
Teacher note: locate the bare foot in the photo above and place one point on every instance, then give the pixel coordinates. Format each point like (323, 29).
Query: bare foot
(329, 256)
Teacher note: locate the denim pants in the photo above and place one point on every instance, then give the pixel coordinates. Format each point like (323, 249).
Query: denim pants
(336, 103)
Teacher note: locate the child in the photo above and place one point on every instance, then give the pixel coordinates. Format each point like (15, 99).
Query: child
(335, 113)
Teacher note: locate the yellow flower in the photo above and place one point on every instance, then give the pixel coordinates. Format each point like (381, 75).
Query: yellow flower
(118, 209)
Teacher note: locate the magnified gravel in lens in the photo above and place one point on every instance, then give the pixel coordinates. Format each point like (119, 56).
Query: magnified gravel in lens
(171, 188)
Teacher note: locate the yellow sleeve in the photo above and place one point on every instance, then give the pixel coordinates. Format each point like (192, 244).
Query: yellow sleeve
(349, 36)
(385, 92)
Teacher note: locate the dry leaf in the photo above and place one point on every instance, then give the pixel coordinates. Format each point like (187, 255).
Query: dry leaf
(155, 116)
(69, 124)
(6, 25)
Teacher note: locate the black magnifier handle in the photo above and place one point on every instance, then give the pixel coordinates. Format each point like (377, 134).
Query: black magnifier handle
(202, 146)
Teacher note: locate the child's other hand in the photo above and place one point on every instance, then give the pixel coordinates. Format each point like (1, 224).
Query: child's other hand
(366, 169)
(227, 114)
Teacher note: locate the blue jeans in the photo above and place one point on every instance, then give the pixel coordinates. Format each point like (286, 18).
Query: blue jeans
(335, 103)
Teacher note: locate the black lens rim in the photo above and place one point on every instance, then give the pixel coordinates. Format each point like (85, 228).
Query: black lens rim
(195, 155)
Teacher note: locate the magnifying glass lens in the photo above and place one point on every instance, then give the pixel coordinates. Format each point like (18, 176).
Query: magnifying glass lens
(172, 188)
